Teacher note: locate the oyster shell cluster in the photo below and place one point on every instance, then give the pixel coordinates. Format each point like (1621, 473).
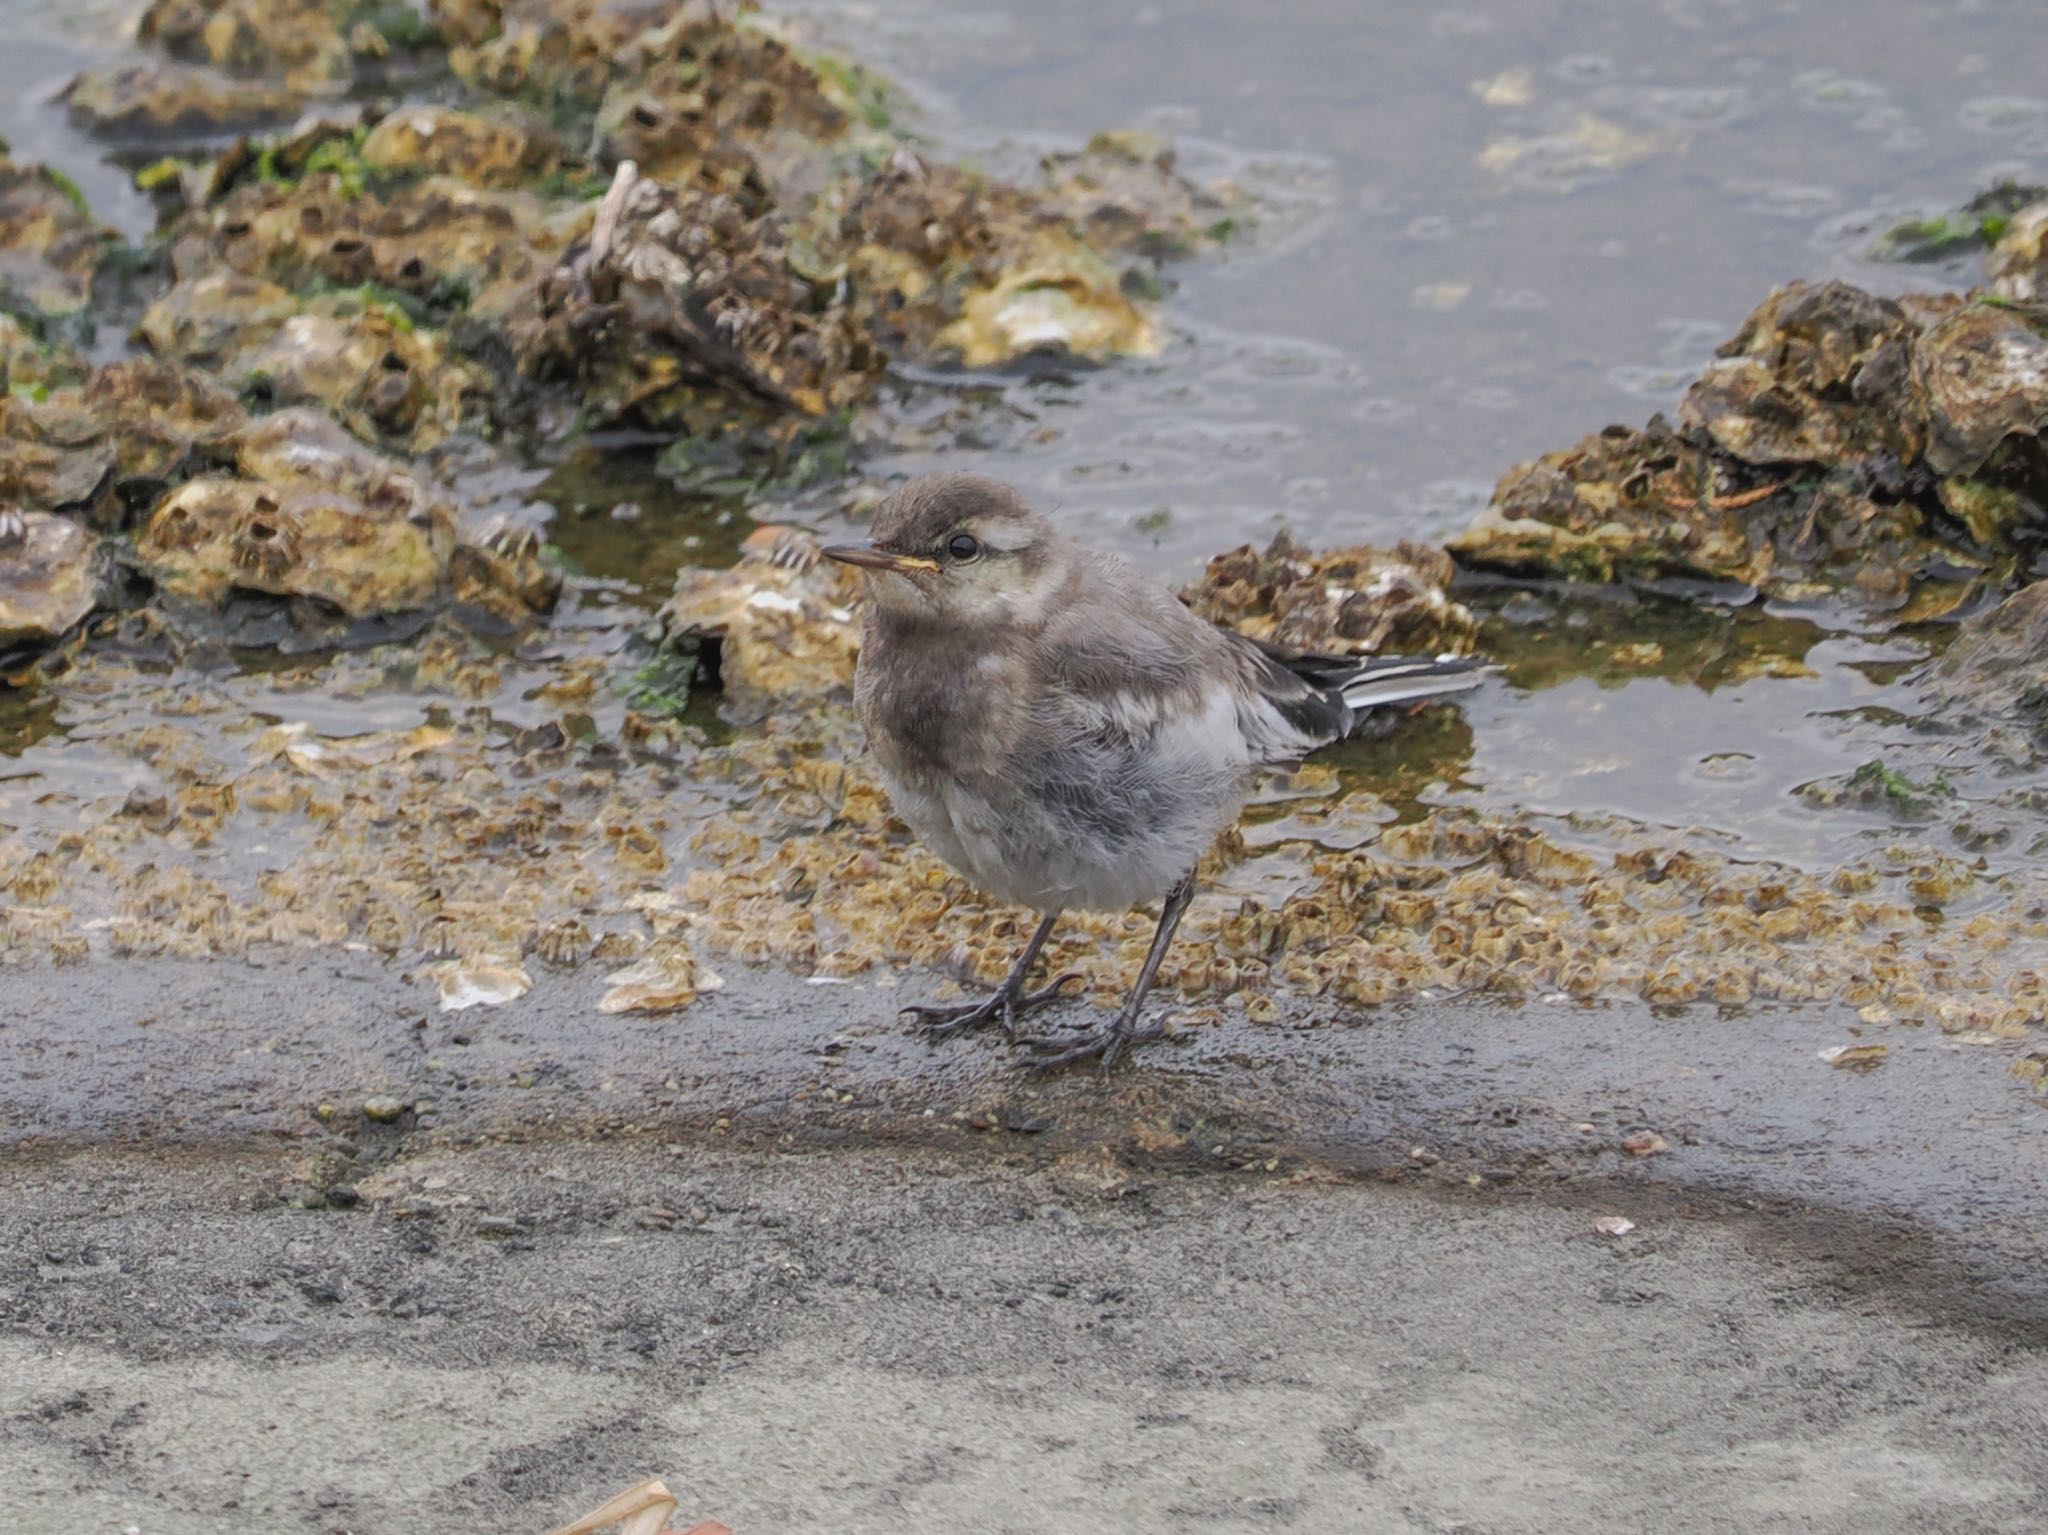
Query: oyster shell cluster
(1889, 450)
(428, 275)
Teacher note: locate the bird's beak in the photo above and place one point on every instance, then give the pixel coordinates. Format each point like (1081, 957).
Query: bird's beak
(868, 557)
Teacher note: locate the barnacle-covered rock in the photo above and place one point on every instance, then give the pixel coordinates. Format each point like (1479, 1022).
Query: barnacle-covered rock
(944, 261)
(32, 366)
(1995, 674)
(298, 539)
(678, 293)
(1622, 502)
(1984, 371)
(356, 351)
(50, 245)
(224, 66)
(1845, 443)
(311, 447)
(1357, 601)
(207, 319)
(110, 443)
(296, 43)
(1979, 225)
(782, 621)
(715, 100)
(2018, 264)
(318, 513)
(440, 141)
(1819, 374)
(367, 364)
(546, 49)
(1123, 193)
(49, 578)
(157, 102)
(437, 243)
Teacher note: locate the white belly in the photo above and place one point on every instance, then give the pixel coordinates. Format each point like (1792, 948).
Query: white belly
(1101, 851)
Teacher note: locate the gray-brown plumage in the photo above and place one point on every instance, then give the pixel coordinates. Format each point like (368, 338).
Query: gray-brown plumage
(1063, 732)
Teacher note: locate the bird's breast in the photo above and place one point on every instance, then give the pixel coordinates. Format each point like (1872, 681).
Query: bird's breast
(935, 709)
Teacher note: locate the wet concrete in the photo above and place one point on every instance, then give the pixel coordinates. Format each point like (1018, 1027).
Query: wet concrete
(821, 1276)
(1533, 1099)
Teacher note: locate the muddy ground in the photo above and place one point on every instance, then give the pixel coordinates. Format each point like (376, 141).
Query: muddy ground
(818, 1277)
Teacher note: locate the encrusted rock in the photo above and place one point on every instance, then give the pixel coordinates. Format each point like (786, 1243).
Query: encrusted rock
(943, 261)
(50, 246)
(108, 445)
(678, 292)
(483, 151)
(1885, 449)
(784, 627)
(1358, 601)
(49, 577)
(160, 102)
(214, 535)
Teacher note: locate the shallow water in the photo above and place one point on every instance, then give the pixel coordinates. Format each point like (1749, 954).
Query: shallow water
(1480, 232)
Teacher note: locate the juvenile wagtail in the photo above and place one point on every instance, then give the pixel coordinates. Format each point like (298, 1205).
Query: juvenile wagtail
(1064, 733)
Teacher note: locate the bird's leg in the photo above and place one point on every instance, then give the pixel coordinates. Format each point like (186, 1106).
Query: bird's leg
(1005, 1003)
(1108, 1041)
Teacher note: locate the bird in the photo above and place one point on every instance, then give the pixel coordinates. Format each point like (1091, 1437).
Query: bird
(1064, 733)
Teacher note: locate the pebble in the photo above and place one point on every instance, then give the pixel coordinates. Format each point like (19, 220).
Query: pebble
(383, 1109)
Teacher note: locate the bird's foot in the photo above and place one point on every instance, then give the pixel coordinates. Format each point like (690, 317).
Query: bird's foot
(1105, 1042)
(1002, 1005)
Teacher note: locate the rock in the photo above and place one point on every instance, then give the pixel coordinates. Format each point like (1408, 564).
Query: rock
(365, 557)
(1817, 375)
(1123, 193)
(943, 262)
(482, 151)
(383, 1109)
(2017, 265)
(108, 445)
(1984, 372)
(160, 103)
(49, 578)
(50, 245)
(1997, 668)
(374, 370)
(30, 366)
(679, 293)
(1357, 601)
(208, 319)
(1887, 451)
(711, 106)
(294, 42)
(783, 624)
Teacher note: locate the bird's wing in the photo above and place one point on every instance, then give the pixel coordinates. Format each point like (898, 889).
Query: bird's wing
(1370, 682)
(1129, 661)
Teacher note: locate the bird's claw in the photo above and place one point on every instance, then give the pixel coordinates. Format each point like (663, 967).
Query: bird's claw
(1004, 1003)
(1107, 1043)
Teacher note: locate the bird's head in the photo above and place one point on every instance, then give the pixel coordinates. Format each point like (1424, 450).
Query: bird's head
(959, 548)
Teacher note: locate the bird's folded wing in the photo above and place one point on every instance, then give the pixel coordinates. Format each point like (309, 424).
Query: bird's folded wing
(1153, 671)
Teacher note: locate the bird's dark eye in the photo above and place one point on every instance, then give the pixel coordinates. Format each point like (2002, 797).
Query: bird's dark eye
(964, 546)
